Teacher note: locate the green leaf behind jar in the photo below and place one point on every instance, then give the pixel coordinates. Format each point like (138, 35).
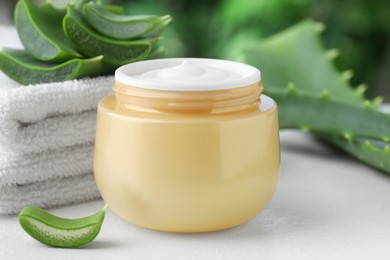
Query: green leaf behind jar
(313, 96)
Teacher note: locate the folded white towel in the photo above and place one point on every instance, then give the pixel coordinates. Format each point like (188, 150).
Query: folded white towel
(49, 116)
(46, 139)
(51, 178)
(27, 169)
(46, 142)
(50, 193)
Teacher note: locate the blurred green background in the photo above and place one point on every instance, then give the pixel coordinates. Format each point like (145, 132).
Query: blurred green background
(359, 29)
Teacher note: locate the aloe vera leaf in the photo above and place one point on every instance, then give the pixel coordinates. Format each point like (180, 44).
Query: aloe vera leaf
(116, 52)
(297, 55)
(322, 114)
(122, 26)
(60, 232)
(78, 5)
(372, 152)
(20, 66)
(157, 53)
(164, 21)
(40, 31)
(116, 9)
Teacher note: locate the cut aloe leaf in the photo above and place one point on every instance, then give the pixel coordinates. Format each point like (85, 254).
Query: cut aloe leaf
(40, 31)
(115, 52)
(60, 232)
(78, 5)
(122, 26)
(25, 69)
(116, 9)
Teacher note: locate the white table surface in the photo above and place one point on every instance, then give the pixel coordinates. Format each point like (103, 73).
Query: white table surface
(327, 206)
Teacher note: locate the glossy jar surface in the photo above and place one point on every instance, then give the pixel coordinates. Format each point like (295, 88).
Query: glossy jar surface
(193, 165)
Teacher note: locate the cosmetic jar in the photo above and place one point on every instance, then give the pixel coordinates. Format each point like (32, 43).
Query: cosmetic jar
(187, 144)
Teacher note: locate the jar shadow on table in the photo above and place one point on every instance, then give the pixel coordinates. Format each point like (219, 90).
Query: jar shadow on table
(278, 220)
(286, 215)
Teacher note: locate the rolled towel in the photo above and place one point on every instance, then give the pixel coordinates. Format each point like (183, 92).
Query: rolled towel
(50, 116)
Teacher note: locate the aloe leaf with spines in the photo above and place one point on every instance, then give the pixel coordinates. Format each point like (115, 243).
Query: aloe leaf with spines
(20, 66)
(296, 55)
(315, 97)
(90, 43)
(40, 30)
(373, 152)
(122, 26)
(322, 114)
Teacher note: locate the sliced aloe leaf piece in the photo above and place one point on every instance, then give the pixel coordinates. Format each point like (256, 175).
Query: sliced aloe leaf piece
(122, 26)
(20, 66)
(40, 30)
(116, 9)
(78, 5)
(116, 52)
(61, 232)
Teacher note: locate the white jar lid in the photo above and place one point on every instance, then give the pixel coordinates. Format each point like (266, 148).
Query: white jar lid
(187, 74)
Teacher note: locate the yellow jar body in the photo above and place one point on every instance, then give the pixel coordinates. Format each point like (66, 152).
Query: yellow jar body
(186, 173)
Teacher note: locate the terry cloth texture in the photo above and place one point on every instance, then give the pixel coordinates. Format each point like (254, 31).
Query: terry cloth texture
(47, 133)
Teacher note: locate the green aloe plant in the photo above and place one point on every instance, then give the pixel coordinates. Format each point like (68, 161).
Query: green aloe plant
(313, 96)
(62, 43)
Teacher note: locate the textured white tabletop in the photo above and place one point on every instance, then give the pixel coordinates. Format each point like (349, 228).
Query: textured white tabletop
(327, 206)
